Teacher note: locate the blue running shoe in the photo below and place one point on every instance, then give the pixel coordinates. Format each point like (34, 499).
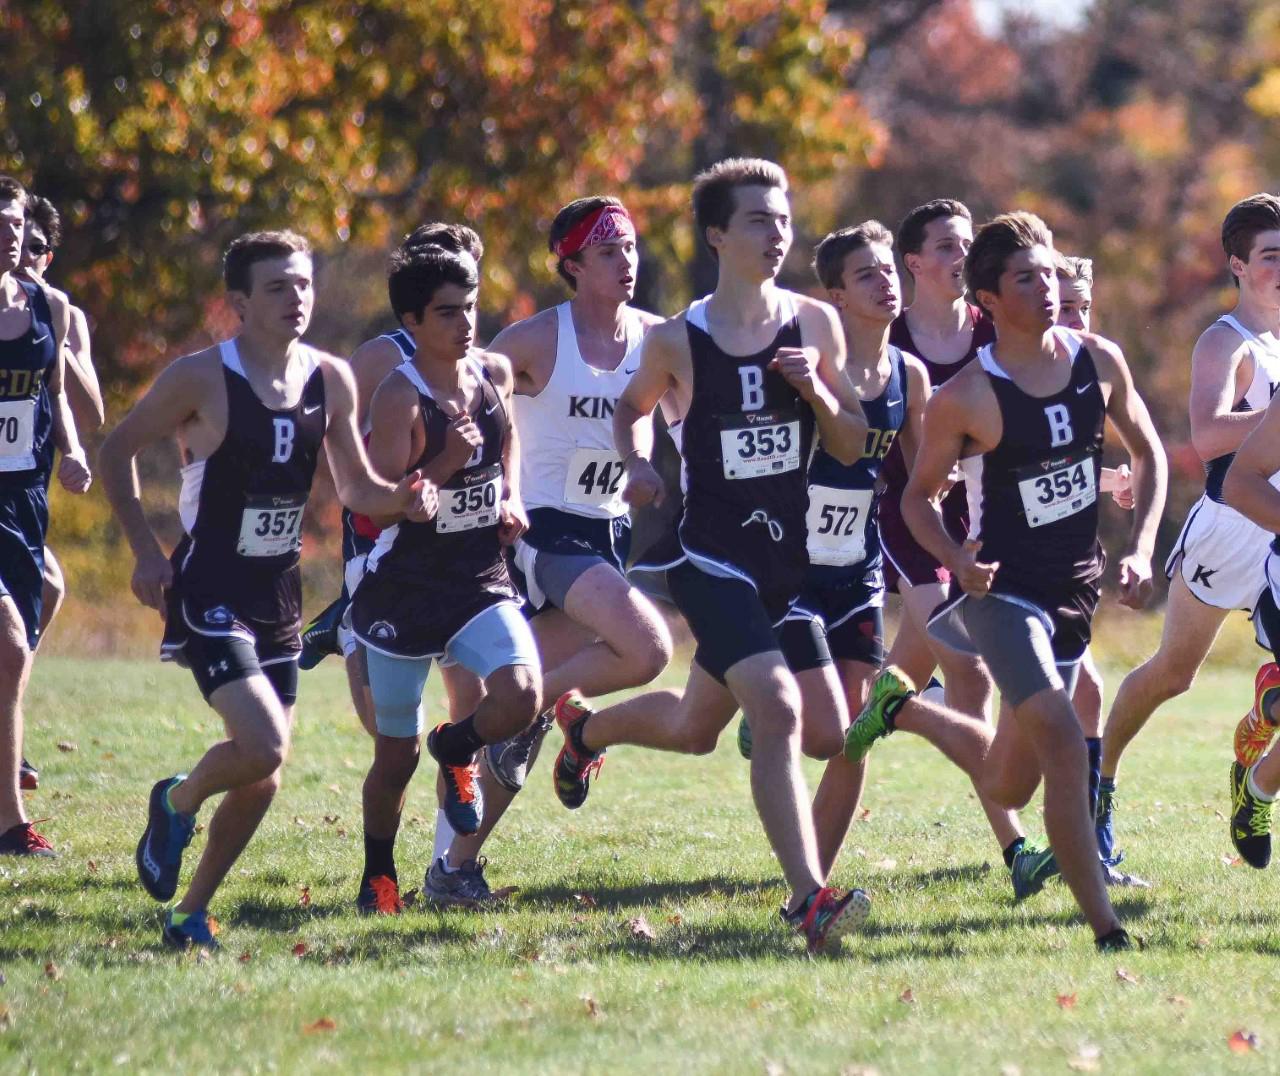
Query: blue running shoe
(159, 855)
(320, 637)
(192, 931)
(1104, 824)
(828, 915)
(1032, 867)
(463, 800)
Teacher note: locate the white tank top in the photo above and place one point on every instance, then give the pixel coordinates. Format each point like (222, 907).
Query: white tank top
(1266, 368)
(567, 457)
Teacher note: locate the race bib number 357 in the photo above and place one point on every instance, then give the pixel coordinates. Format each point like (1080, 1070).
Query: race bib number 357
(470, 501)
(271, 526)
(1057, 488)
(759, 444)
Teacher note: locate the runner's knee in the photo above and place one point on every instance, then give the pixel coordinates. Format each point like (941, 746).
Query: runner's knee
(395, 759)
(516, 691)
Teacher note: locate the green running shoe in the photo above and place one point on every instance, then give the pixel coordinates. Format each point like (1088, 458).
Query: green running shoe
(890, 690)
(1032, 867)
(744, 738)
(1250, 820)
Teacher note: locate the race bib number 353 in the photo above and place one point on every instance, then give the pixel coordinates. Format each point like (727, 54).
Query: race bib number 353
(470, 501)
(759, 444)
(1057, 488)
(271, 526)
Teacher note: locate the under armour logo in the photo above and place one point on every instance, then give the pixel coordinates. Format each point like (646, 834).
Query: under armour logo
(1201, 575)
(222, 666)
(761, 516)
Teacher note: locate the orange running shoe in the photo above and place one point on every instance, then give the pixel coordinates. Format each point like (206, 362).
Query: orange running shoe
(379, 895)
(574, 767)
(463, 800)
(1253, 734)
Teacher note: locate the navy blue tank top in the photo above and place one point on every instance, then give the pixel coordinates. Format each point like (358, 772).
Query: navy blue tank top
(26, 408)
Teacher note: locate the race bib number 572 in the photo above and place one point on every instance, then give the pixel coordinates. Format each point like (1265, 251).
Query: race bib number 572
(759, 444)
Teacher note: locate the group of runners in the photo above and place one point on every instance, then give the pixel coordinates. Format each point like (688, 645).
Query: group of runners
(830, 450)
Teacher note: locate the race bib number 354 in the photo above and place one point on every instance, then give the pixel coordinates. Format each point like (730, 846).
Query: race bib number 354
(1057, 488)
(271, 526)
(759, 444)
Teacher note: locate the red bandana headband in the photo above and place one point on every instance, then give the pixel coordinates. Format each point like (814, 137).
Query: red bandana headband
(607, 224)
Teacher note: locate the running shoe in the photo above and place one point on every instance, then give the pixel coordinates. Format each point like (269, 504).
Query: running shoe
(1117, 941)
(574, 767)
(509, 760)
(1032, 867)
(320, 637)
(828, 915)
(463, 801)
(195, 931)
(159, 855)
(1104, 826)
(464, 887)
(379, 895)
(890, 690)
(1253, 734)
(1250, 820)
(744, 738)
(28, 776)
(1120, 879)
(23, 840)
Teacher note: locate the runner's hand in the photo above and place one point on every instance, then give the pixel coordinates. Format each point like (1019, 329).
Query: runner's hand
(644, 484)
(152, 576)
(973, 575)
(420, 498)
(74, 473)
(461, 438)
(1119, 483)
(513, 521)
(1135, 581)
(799, 365)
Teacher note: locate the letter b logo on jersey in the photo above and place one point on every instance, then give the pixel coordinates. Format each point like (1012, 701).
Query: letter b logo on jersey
(1060, 432)
(752, 387)
(284, 440)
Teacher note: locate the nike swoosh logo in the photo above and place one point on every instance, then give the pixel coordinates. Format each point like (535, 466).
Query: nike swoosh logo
(311, 410)
(491, 410)
(1084, 388)
(630, 372)
(893, 403)
(40, 339)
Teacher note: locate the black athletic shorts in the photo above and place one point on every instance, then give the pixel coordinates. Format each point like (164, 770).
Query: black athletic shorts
(851, 613)
(729, 622)
(24, 522)
(215, 660)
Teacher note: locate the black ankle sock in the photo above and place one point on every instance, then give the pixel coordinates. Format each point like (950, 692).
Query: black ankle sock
(1015, 846)
(1114, 940)
(379, 857)
(457, 744)
(1094, 746)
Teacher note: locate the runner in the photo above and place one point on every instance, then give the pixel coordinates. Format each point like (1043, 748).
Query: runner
(753, 369)
(440, 589)
(1028, 421)
(41, 238)
(1218, 562)
(35, 416)
(251, 413)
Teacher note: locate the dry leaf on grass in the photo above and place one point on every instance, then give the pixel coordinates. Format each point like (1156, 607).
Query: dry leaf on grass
(410, 898)
(864, 815)
(1088, 1058)
(325, 1023)
(6, 1018)
(640, 929)
(1067, 1001)
(1177, 999)
(52, 971)
(675, 919)
(304, 896)
(887, 864)
(245, 957)
(585, 900)
(1243, 1042)
(907, 997)
(593, 1007)
(66, 746)
(1126, 976)
(93, 867)
(300, 949)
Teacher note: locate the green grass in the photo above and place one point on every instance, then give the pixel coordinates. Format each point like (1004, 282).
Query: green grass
(558, 981)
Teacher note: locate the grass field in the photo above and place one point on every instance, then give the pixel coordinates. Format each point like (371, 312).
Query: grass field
(948, 976)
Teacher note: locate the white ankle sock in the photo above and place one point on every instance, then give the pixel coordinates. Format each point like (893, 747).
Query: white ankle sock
(1254, 790)
(444, 836)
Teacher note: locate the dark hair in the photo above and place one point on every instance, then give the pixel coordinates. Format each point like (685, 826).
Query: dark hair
(246, 250)
(12, 191)
(41, 213)
(569, 218)
(996, 242)
(455, 237)
(1074, 270)
(1245, 221)
(417, 273)
(713, 200)
(911, 230)
(829, 255)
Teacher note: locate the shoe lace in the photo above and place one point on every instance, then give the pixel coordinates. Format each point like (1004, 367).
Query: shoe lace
(30, 839)
(386, 894)
(464, 778)
(1260, 817)
(591, 768)
(473, 871)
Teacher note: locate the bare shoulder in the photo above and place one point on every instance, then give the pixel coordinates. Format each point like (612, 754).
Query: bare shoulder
(498, 366)
(199, 373)
(1108, 358)
(816, 315)
(535, 334)
(380, 351)
(969, 388)
(1218, 343)
(647, 318)
(668, 339)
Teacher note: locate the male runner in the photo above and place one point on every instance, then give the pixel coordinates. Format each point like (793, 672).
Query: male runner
(753, 370)
(41, 238)
(1218, 562)
(440, 589)
(251, 413)
(1027, 420)
(35, 416)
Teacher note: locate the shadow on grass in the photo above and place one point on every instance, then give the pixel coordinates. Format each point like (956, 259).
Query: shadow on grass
(611, 896)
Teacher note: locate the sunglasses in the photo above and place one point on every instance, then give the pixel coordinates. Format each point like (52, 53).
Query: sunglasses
(38, 249)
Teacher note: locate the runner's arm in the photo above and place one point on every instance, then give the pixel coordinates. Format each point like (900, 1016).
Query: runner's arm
(842, 426)
(84, 393)
(1216, 428)
(393, 414)
(633, 416)
(73, 470)
(1247, 487)
(370, 363)
(918, 392)
(942, 443)
(514, 521)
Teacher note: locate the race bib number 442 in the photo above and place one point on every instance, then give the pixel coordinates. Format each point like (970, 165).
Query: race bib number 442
(1057, 488)
(759, 444)
(271, 525)
(594, 477)
(470, 501)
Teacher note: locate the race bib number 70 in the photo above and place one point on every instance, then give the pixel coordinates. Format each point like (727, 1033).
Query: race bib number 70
(17, 435)
(759, 444)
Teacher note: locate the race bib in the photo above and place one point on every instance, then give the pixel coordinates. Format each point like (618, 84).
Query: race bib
(17, 435)
(594, 477)
(838, 525)
(759, 444)
(1057, 488)
(271, 525)
(470, 501)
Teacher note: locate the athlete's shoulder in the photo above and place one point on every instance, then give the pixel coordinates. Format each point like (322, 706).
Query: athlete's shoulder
(917, 372)
(647, 318)
(200, 371)
(496, 365)
(380, 351)
(1221, 340)
(668, 337)
(969, 386)
(538, 331)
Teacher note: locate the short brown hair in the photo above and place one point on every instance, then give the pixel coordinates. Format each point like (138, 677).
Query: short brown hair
(1245, 221)
(996, 242)
(248, 249)
(713, 200)
(12, 191)
(417, 273)
(911, 230)
(829, 255)
(41, 213)
(1074, 270)
(570, 217)
(455, 237)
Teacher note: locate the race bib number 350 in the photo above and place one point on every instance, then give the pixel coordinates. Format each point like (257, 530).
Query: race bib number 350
(759, 444)
(271, 526)
(470, 501)
(17, 435)
(594, 477)
(1057, 488)
(838, 525)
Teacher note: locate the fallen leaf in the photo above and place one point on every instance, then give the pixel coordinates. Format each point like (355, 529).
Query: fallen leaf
(1126, 976)
(93, 867)
(6, 1019)
(640, 929)
(109, 942)
(907, 997)
(864, 815)
(304, 898)
(1201, 942)
(676, 919)
(1088, 1058)
(577, 917)
(52, 971)
(1177, 999)
(330, 819)
(300, 949)
(593, 1007)
(66, 746)
(1243, 1042)
(108, 756)
(335, 787)
(585, 900)
(1231, 861)
(199, 827)
(1067, 1001)
(214, 925)
(241, 987)
(325, 1023)
(887, 864)
(410, 898)
(245, 957)
(504, 892)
